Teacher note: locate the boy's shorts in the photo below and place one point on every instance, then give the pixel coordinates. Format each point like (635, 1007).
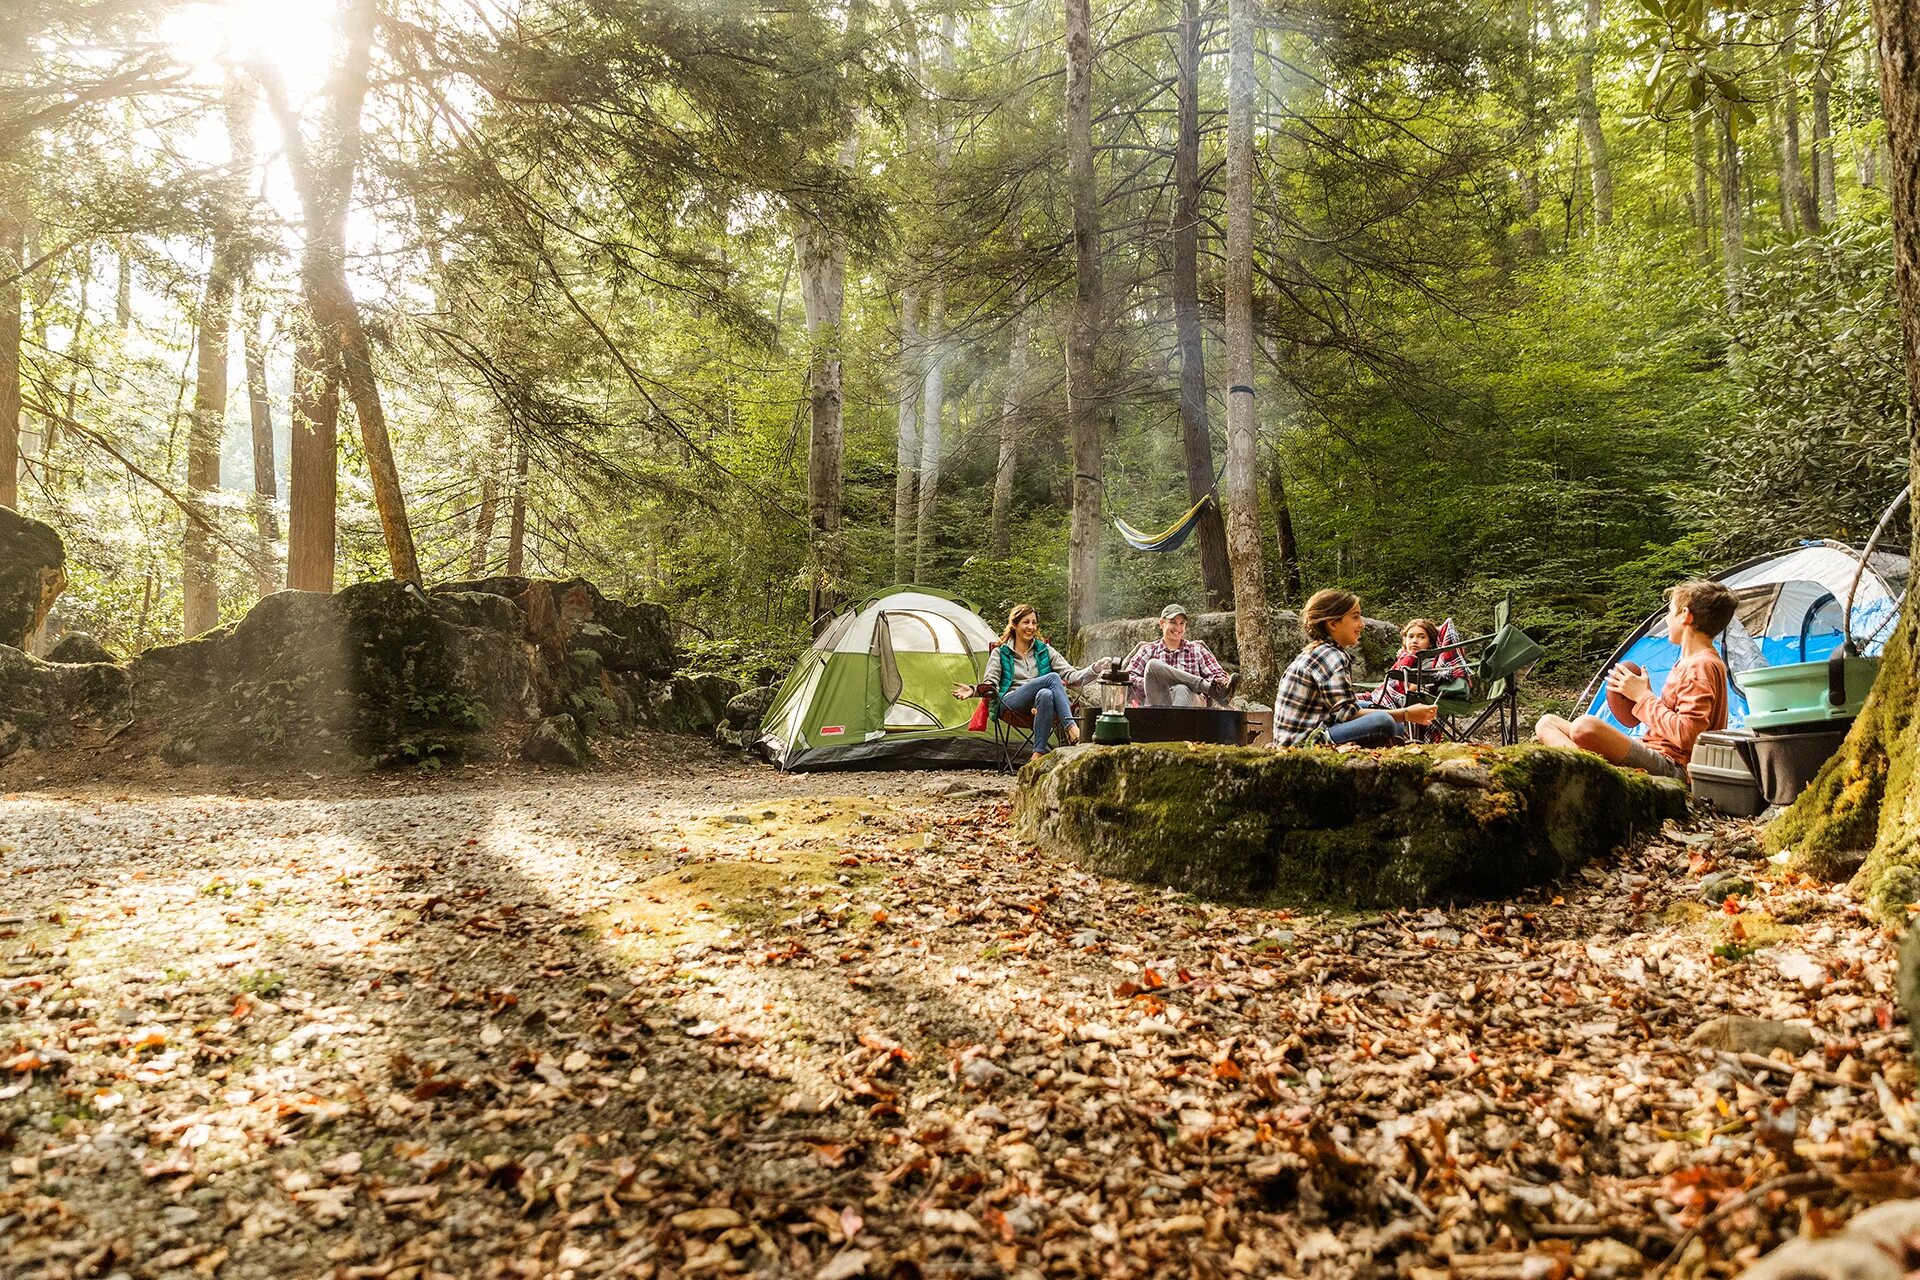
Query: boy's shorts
(1644, 758)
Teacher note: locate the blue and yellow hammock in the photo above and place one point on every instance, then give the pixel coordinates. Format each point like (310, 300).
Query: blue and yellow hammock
(1168, 539)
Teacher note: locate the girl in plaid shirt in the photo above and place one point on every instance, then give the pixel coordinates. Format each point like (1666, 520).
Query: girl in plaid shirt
(1315, 701)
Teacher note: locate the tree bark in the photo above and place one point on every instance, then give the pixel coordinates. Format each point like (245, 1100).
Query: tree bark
(123, 285)
(823, 261)
(480, 553)
(517, 515)
(1792, 174)
(12, 247)
(266, 483)
(1823, 181)
(1865, 797)
(313, 460)
(1009, 459)
(1083, 423)
(1587, 107)
(906, 453)
(1184, 231)
(1253, 626)
(932, 404)
(1733, 241)
(1702, 218)
(1291, 586)
(199, 567)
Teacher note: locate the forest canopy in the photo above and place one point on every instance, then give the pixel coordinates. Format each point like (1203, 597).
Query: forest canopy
(748, 310)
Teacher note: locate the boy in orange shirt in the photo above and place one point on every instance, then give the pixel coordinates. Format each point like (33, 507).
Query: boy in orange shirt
(1692, 702)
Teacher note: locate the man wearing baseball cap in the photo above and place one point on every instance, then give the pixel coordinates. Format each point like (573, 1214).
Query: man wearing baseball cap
(1174, 671)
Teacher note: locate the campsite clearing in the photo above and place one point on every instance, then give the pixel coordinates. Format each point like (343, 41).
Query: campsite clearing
(385, 1025)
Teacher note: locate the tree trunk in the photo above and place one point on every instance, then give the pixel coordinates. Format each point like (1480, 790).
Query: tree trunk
(12, 246)
(479, 554)
(199, 567)
(1009, 459)
(1290, 583)
(823, 263)
(312, 460)
(1195, 434)
(123, 285)
(1823, 183)
(1733, 241)
(1253, 626)
(932, 403)
(266, 483)
(1792, 174)
(1702, 218)
(1083, 337)
(517, 515)
(906, 453)
(1587, 106)
(1866, 797)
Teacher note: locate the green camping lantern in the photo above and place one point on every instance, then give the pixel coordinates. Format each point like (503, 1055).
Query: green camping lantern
(1111, 728)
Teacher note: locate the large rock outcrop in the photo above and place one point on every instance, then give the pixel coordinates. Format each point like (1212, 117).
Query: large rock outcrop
(1409, 827)
(1116, 638)
(43, 703)
(33, 572)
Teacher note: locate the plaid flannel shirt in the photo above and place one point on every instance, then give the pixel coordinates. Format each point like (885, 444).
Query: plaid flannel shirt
(1314, 692)
(1191, 656)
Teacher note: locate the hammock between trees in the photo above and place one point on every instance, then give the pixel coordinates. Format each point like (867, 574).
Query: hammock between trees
(1168, 539)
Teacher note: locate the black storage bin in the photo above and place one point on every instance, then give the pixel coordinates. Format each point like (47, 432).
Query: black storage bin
(1784, 761)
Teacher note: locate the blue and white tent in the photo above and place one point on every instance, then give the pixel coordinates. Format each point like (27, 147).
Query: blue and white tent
(1790, 611)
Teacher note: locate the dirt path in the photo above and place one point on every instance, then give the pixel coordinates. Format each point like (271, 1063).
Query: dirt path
(701, 1019)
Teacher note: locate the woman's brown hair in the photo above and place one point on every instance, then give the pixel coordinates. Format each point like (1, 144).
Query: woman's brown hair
(1324, 608)
(1018, 612)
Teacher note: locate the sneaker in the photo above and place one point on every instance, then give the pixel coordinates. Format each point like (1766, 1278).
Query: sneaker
(1222, 690)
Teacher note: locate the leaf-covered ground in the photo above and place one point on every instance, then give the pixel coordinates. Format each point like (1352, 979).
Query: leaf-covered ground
(701, 1019)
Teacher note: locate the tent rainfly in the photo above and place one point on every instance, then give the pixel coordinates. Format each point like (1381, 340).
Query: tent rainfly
(1790, 610)
(874, 690)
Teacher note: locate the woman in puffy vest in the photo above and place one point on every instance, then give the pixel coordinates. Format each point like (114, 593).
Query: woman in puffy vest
(1028, 674)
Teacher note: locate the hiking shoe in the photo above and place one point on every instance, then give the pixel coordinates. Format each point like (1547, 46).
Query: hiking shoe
(1222, 690)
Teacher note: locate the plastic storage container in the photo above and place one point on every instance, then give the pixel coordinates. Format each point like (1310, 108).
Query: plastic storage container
(1783, 697)
(1720, 776)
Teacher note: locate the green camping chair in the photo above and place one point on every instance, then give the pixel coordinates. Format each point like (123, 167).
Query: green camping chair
(1489, 694)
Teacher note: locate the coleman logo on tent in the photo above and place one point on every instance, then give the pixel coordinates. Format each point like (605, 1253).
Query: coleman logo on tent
(827, 730)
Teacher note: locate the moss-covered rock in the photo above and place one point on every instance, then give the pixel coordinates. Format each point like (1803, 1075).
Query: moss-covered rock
(630, 637)
(78, 646)
(1410, 827)
(33, 573)
(690, 703)
(42, 703)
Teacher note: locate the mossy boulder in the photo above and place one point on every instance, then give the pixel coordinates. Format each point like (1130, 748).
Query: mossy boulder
(629, 637)
(1409, 827)
(42, 703)
(1117, 637)
(690, 703)
(78, 646)
(741, 723)
(33, 573)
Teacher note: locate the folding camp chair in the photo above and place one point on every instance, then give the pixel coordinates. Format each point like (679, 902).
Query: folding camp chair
(1489, 693)
(1012, 730)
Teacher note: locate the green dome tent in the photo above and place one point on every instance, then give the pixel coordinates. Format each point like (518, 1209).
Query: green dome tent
(875, 689)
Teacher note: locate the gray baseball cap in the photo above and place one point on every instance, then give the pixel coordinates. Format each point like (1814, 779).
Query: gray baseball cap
(1172, 611)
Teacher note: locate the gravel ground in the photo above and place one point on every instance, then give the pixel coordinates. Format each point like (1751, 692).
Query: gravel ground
(685, 1016)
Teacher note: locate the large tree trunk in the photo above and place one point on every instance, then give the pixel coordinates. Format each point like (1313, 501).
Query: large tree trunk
(325, 186)
(480, 553)
(906, 453)
(1868, 796)
(1733, 240)
(1587, 107)
(12, 246)
(313, 473)
(123, 284)
(1009, 458)
(1702, 209)
(1195, 435)
(1083, 336)
(1823, 182)
(266, 483)
(1253, 626)
(823, 262)
(199, 569)
(1284, 541)
(932, 405)
(1792, 175)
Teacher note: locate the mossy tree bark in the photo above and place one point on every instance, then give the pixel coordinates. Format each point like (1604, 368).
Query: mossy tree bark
(1083, 338)
(1867, 798)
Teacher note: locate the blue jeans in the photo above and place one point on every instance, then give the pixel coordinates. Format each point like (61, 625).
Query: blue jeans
(1376, 728)
(1046, 697)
